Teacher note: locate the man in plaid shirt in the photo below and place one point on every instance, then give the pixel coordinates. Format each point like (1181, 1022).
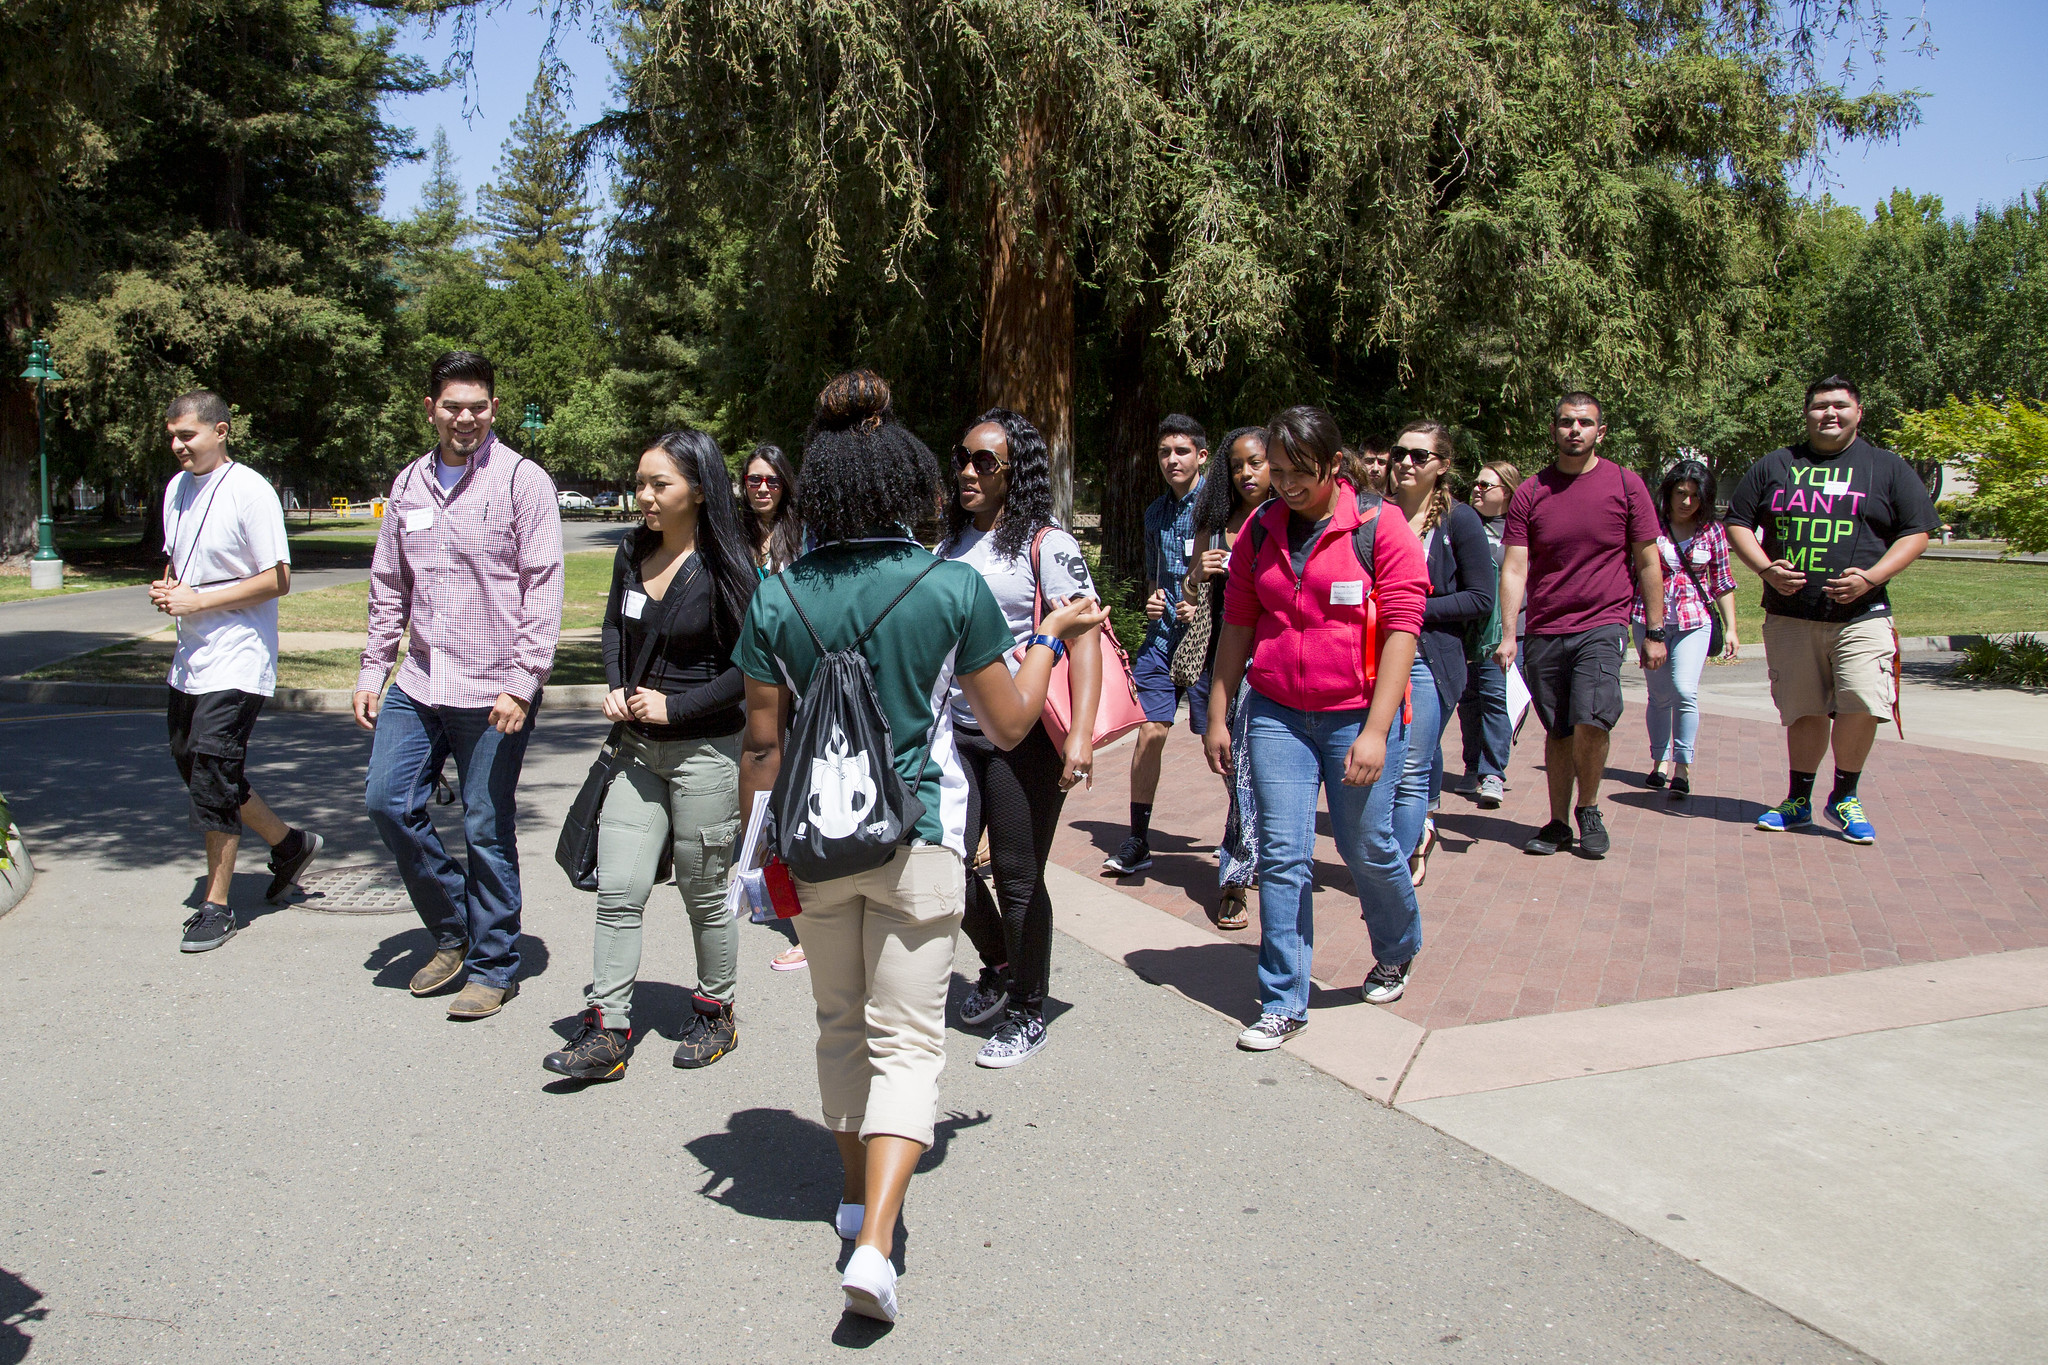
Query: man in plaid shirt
(470, 555)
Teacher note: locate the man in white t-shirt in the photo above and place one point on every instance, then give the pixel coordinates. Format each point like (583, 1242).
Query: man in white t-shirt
(226, 564)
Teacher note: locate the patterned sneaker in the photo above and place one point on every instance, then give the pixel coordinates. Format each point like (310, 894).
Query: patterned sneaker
(986, 1000)
(596, 1053)
(1848, 813)
(1788, 814)
(1271, 1031)
(1491, 792)
(1135, 855)
(289, 861)
(210, 927)
(707, 1036)
(1016, 1039)
(1385, 982)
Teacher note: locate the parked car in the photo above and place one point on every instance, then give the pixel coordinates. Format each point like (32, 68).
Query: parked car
(608, 499)
(569, 500)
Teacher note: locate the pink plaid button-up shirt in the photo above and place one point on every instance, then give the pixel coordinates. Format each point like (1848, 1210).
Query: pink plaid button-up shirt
(477, 572)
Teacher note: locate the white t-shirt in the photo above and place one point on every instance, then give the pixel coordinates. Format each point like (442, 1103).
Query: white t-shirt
(449, 475)
(218, 530)
(1061, 566)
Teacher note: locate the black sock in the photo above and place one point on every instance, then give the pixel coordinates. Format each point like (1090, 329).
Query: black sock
(288, 847)
(1845, 786)
(1802, 786)
(1141, 820)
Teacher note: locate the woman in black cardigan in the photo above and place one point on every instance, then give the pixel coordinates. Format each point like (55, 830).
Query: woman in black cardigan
(1460, 593)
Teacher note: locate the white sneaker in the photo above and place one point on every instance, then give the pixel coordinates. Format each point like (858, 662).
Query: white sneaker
(848, 1220)
(870, 1285)
(1271, 1031)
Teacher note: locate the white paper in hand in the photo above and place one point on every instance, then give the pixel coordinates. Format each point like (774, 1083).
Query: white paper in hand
(752, 850)
(1518, 696)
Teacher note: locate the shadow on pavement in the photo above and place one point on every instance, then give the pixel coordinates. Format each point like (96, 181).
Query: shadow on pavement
(18, 1305)
(400, 955)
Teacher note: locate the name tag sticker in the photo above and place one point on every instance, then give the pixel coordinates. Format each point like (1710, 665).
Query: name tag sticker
(1350, 594)
(418, 518)
(1834, 488)
(1187, 547)
(1699, 554)
(636, 604)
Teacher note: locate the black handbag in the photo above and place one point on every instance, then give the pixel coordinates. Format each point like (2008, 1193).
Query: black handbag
(1716, 630)
(576, 846)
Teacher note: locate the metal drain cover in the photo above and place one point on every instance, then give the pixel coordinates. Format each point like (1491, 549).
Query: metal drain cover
(353, 891)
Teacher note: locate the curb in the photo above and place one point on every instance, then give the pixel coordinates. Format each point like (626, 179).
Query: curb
(331, 700)
(1956, 644)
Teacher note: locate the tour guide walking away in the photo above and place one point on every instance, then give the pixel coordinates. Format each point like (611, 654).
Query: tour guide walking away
(1826, 524)
(880, 941)
(1331, 640)
(1574, 531)
(470, 555)
(227, 564)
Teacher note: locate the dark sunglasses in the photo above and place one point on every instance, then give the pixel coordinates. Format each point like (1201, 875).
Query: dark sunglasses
(764, 481)
(1486, 486)
(985, 462)
(1410, 454)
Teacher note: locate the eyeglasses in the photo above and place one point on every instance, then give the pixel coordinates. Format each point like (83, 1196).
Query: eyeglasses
(764, 481)
(985, 462)
(1486, 486)
(1411, 455)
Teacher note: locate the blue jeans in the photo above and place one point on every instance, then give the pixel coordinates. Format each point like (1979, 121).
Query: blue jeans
(1483, 719)
(476, 906)
(1422, 775)
(1293, 755)
(1673, 715)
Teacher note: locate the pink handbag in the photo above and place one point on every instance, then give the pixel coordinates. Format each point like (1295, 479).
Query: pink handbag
(1118, 712)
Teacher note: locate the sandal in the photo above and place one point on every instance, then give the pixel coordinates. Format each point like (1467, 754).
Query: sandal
(1235, 912)
(1418, 862)
(790, 960)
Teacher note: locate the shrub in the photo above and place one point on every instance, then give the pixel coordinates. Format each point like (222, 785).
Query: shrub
(2019, 662)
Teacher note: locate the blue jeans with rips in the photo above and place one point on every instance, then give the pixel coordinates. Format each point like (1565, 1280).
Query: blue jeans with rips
(475, 905)
(1294, 755)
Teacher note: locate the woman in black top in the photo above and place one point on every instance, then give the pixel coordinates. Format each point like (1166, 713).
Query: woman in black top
(681, 584)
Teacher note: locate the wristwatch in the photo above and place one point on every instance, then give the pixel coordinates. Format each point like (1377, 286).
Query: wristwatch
(1051, 642)
(1654, 634)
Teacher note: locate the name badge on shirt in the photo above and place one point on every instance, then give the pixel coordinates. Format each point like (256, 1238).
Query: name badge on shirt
(1834, 488)
(1350, 594)
(1187, 547)
(1699, 554)
(418, 518)
(636, 604)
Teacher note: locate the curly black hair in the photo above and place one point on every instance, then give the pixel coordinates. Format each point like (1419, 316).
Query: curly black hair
(720, 537)
(864, 473)
(1219, 500)
(783, 536)
(1028, 504)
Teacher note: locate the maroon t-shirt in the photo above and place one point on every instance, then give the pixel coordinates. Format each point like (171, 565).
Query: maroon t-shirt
(1578, 528)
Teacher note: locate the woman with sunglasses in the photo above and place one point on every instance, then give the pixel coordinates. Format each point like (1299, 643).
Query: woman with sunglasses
(1483, 709)
(1235, 486)
(1461, 578)
(1325, 710)
(1002, 504)
(1697, 579)
(773, 526)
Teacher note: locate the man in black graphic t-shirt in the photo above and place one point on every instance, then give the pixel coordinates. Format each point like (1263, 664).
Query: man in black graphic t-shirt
(1826, 524)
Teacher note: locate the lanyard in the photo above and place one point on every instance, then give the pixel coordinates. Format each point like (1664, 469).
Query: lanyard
(192, 550)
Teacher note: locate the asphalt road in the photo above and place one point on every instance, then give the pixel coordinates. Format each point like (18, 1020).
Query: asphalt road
(273, 1151)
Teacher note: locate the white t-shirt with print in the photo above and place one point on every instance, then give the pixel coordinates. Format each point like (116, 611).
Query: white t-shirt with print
(1059, 563)
(218, 530)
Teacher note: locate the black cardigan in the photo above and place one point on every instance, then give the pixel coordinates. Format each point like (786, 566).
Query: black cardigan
(1461, 588)
(691, 668)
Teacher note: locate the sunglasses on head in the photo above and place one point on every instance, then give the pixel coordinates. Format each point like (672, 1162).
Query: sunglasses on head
(1410, 454)
(985, 462)
(764, 481)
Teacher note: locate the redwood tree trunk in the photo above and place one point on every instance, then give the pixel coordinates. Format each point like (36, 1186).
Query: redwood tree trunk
(1130, 473)
(20, 496)
(1027, 322)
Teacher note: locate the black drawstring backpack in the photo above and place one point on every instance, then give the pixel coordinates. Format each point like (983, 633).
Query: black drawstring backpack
(840, 806)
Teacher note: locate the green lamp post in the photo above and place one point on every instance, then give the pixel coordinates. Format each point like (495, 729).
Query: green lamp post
(46, 570)
(533, 422)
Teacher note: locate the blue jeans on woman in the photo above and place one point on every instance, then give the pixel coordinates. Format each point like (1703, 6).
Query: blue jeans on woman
(475, 906)
(1673, 715)
(1422, 776)
(1294, 754)
(1483, 719)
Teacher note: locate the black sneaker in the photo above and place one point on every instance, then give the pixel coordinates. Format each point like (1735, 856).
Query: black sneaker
(1654, 779)
(707, 1037)
(1593, 841)
(1385, 982)
(210, 927)
(1552, 837)
(289, 861)
(1134, 856)
(986, 1000)
(1015, 1040)
(596, 1053)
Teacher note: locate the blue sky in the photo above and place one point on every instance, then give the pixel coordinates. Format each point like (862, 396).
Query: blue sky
(1983, 139)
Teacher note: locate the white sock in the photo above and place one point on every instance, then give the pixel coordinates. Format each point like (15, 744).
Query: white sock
(849, 1219)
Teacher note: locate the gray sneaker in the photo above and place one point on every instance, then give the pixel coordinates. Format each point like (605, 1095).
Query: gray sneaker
(1491, 791)
(986, 1000)
(1271, 1031)
(211, 926)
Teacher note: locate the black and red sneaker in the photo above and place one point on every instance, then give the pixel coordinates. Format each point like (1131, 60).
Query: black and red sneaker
(596, 1053)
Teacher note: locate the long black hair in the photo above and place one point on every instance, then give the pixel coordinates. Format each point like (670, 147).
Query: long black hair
(721, 540)
(783, 536)
(1028, 504)
(865, 474)
(1684, 471)
(1220, 498)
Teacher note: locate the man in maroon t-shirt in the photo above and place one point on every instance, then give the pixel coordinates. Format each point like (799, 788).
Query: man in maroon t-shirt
(1573, 531)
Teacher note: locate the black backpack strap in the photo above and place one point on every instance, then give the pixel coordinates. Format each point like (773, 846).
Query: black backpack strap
(863, 636)
(1365, 537)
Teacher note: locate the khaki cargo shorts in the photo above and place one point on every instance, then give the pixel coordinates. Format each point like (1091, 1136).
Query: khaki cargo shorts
(1827, 668)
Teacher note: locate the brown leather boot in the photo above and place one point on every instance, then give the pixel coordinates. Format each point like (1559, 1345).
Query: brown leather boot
(479, 1001)
(446, 966)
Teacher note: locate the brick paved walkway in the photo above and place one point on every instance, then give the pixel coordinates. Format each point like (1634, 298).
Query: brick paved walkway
(1692, 898)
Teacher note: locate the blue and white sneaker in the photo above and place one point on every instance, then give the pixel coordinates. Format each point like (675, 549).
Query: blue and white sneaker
(1848, 813)
(1796, 813)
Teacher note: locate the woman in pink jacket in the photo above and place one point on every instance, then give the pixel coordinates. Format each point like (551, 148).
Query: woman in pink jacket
(1321, 626)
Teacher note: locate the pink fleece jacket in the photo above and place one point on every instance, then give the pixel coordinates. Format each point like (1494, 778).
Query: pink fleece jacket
(1308, 642)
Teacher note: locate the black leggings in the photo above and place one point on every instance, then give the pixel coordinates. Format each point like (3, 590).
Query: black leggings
(1017, 796)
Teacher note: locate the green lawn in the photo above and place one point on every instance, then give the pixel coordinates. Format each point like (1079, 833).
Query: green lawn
(587, 580)
(1944, 597)
(77, 578)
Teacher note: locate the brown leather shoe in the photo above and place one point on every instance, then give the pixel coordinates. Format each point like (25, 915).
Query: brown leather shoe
(446, 966)
(479, 1001)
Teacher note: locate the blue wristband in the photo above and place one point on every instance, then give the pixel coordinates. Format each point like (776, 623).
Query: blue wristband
(1051, 642)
